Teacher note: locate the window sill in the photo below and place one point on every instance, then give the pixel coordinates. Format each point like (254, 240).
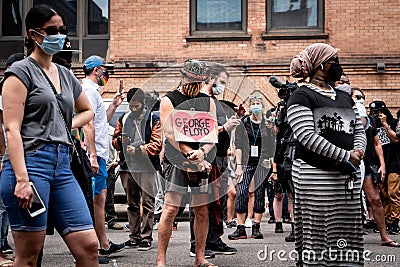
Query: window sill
(212, 37)
(293, 36)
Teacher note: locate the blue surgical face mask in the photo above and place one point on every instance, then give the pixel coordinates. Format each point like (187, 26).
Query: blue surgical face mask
(218, 89)
(256, 109)
(52, 44)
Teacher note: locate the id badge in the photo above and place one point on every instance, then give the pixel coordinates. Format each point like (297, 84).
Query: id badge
(254, 151)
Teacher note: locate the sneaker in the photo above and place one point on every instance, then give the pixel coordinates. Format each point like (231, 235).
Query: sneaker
(144, 246)
(287, 220)
(223, 248)
(271, 220)
(6, 249)
(255, 231)
(231, 224)
(131, 244)
(155, 226)
(393, 229)
(115, 226)
(371, 224)
(102, 260)
(248, 223)
(127, 227)
(208, 254)
(113, 248)
(175, 226)
(376, 230)
(278, 227)
(240, 233)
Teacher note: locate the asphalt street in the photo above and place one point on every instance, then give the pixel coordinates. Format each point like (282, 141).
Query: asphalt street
(270, 251)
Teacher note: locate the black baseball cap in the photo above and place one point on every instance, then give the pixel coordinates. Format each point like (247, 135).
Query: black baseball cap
(377, 105)
(14, 58)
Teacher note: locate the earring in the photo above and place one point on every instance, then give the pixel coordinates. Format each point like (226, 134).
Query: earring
(322, 67)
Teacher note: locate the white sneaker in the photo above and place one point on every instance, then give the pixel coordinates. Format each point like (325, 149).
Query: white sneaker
(248, 223)
(155, 226)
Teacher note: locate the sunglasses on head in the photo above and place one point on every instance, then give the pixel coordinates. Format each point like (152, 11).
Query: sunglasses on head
(255, 96)
(359, 97)
(52, 30)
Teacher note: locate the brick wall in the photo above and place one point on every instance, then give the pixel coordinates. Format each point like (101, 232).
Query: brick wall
(151, 35)
(147, 36)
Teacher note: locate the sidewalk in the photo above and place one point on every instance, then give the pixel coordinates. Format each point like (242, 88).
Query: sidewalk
(251, 252)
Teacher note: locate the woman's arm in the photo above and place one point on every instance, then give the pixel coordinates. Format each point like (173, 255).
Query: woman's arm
(360, 140)
(379, 153)
(14, 97)
(85, 111)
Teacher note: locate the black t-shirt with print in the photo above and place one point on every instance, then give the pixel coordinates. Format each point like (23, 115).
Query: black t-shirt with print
(334, 119)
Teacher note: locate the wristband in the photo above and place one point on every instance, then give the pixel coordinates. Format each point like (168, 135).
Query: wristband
(274, 172)
(239, 164)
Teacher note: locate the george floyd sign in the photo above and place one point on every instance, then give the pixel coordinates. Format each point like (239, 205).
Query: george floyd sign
(194, 126)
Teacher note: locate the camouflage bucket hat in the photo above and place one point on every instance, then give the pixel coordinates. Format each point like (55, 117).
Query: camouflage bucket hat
(195, 70)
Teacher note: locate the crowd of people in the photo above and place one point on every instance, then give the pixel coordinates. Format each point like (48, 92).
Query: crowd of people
(318, 151)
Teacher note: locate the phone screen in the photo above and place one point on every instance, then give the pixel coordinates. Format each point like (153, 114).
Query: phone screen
(37, 204)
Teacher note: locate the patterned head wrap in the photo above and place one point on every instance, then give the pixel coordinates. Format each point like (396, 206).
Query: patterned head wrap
(303, 65)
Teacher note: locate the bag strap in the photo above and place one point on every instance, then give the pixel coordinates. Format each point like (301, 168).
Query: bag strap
(57, 104)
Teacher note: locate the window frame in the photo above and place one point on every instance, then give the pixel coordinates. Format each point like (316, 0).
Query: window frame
(317, 32)
(213, 35)
(81, 26)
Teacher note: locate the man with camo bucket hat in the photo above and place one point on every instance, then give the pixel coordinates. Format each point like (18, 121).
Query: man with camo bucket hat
(186, 163)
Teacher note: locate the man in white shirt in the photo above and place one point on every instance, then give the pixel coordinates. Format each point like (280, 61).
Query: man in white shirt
(98, 143)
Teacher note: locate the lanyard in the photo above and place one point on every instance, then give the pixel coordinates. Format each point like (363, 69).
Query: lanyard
(255, 136)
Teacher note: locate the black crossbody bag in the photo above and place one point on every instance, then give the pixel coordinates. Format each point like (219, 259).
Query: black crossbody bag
(80, 163)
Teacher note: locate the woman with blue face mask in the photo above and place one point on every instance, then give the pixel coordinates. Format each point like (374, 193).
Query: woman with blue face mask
(39, 99)
(255, 148)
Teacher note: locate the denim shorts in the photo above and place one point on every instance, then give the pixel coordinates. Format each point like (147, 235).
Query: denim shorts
(101, 177)
(49, 169)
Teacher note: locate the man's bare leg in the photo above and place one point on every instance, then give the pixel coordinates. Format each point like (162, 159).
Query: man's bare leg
(200, 207)
(170, 209)
(99, 218)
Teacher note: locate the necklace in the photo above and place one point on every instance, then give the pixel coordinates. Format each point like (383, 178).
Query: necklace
(328, 93)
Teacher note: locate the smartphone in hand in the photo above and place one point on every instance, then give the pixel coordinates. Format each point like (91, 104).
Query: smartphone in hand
(37, 204)
(121, 86)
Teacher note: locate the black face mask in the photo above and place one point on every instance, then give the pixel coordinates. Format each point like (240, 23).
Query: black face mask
(376, 120)
(336, 72)
(138, 112)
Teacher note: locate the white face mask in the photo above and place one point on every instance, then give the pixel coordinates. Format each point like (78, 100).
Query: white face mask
(256, 108)
(218, 89)
(344, 87)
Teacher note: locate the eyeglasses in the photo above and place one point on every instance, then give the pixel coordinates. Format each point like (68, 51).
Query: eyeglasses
(359, 97)
(255, 96)
(52, 30)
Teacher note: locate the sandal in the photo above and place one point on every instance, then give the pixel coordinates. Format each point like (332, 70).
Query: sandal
(207, 264)
(392, 244)
(6, 263)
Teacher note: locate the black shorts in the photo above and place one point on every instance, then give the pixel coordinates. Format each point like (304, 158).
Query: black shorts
(285, 179)
(177, 180)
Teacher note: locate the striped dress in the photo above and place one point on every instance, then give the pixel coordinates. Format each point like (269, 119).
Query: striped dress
(327, 217)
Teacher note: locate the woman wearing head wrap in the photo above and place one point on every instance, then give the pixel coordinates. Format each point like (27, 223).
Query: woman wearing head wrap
(330, 137)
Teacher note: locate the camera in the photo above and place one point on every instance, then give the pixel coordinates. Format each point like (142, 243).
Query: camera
(285, 89)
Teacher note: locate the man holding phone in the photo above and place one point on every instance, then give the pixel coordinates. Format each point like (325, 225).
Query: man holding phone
(137, 136)
(96, 73)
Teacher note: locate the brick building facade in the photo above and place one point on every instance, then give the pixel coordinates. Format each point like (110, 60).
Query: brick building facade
(148, 36)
